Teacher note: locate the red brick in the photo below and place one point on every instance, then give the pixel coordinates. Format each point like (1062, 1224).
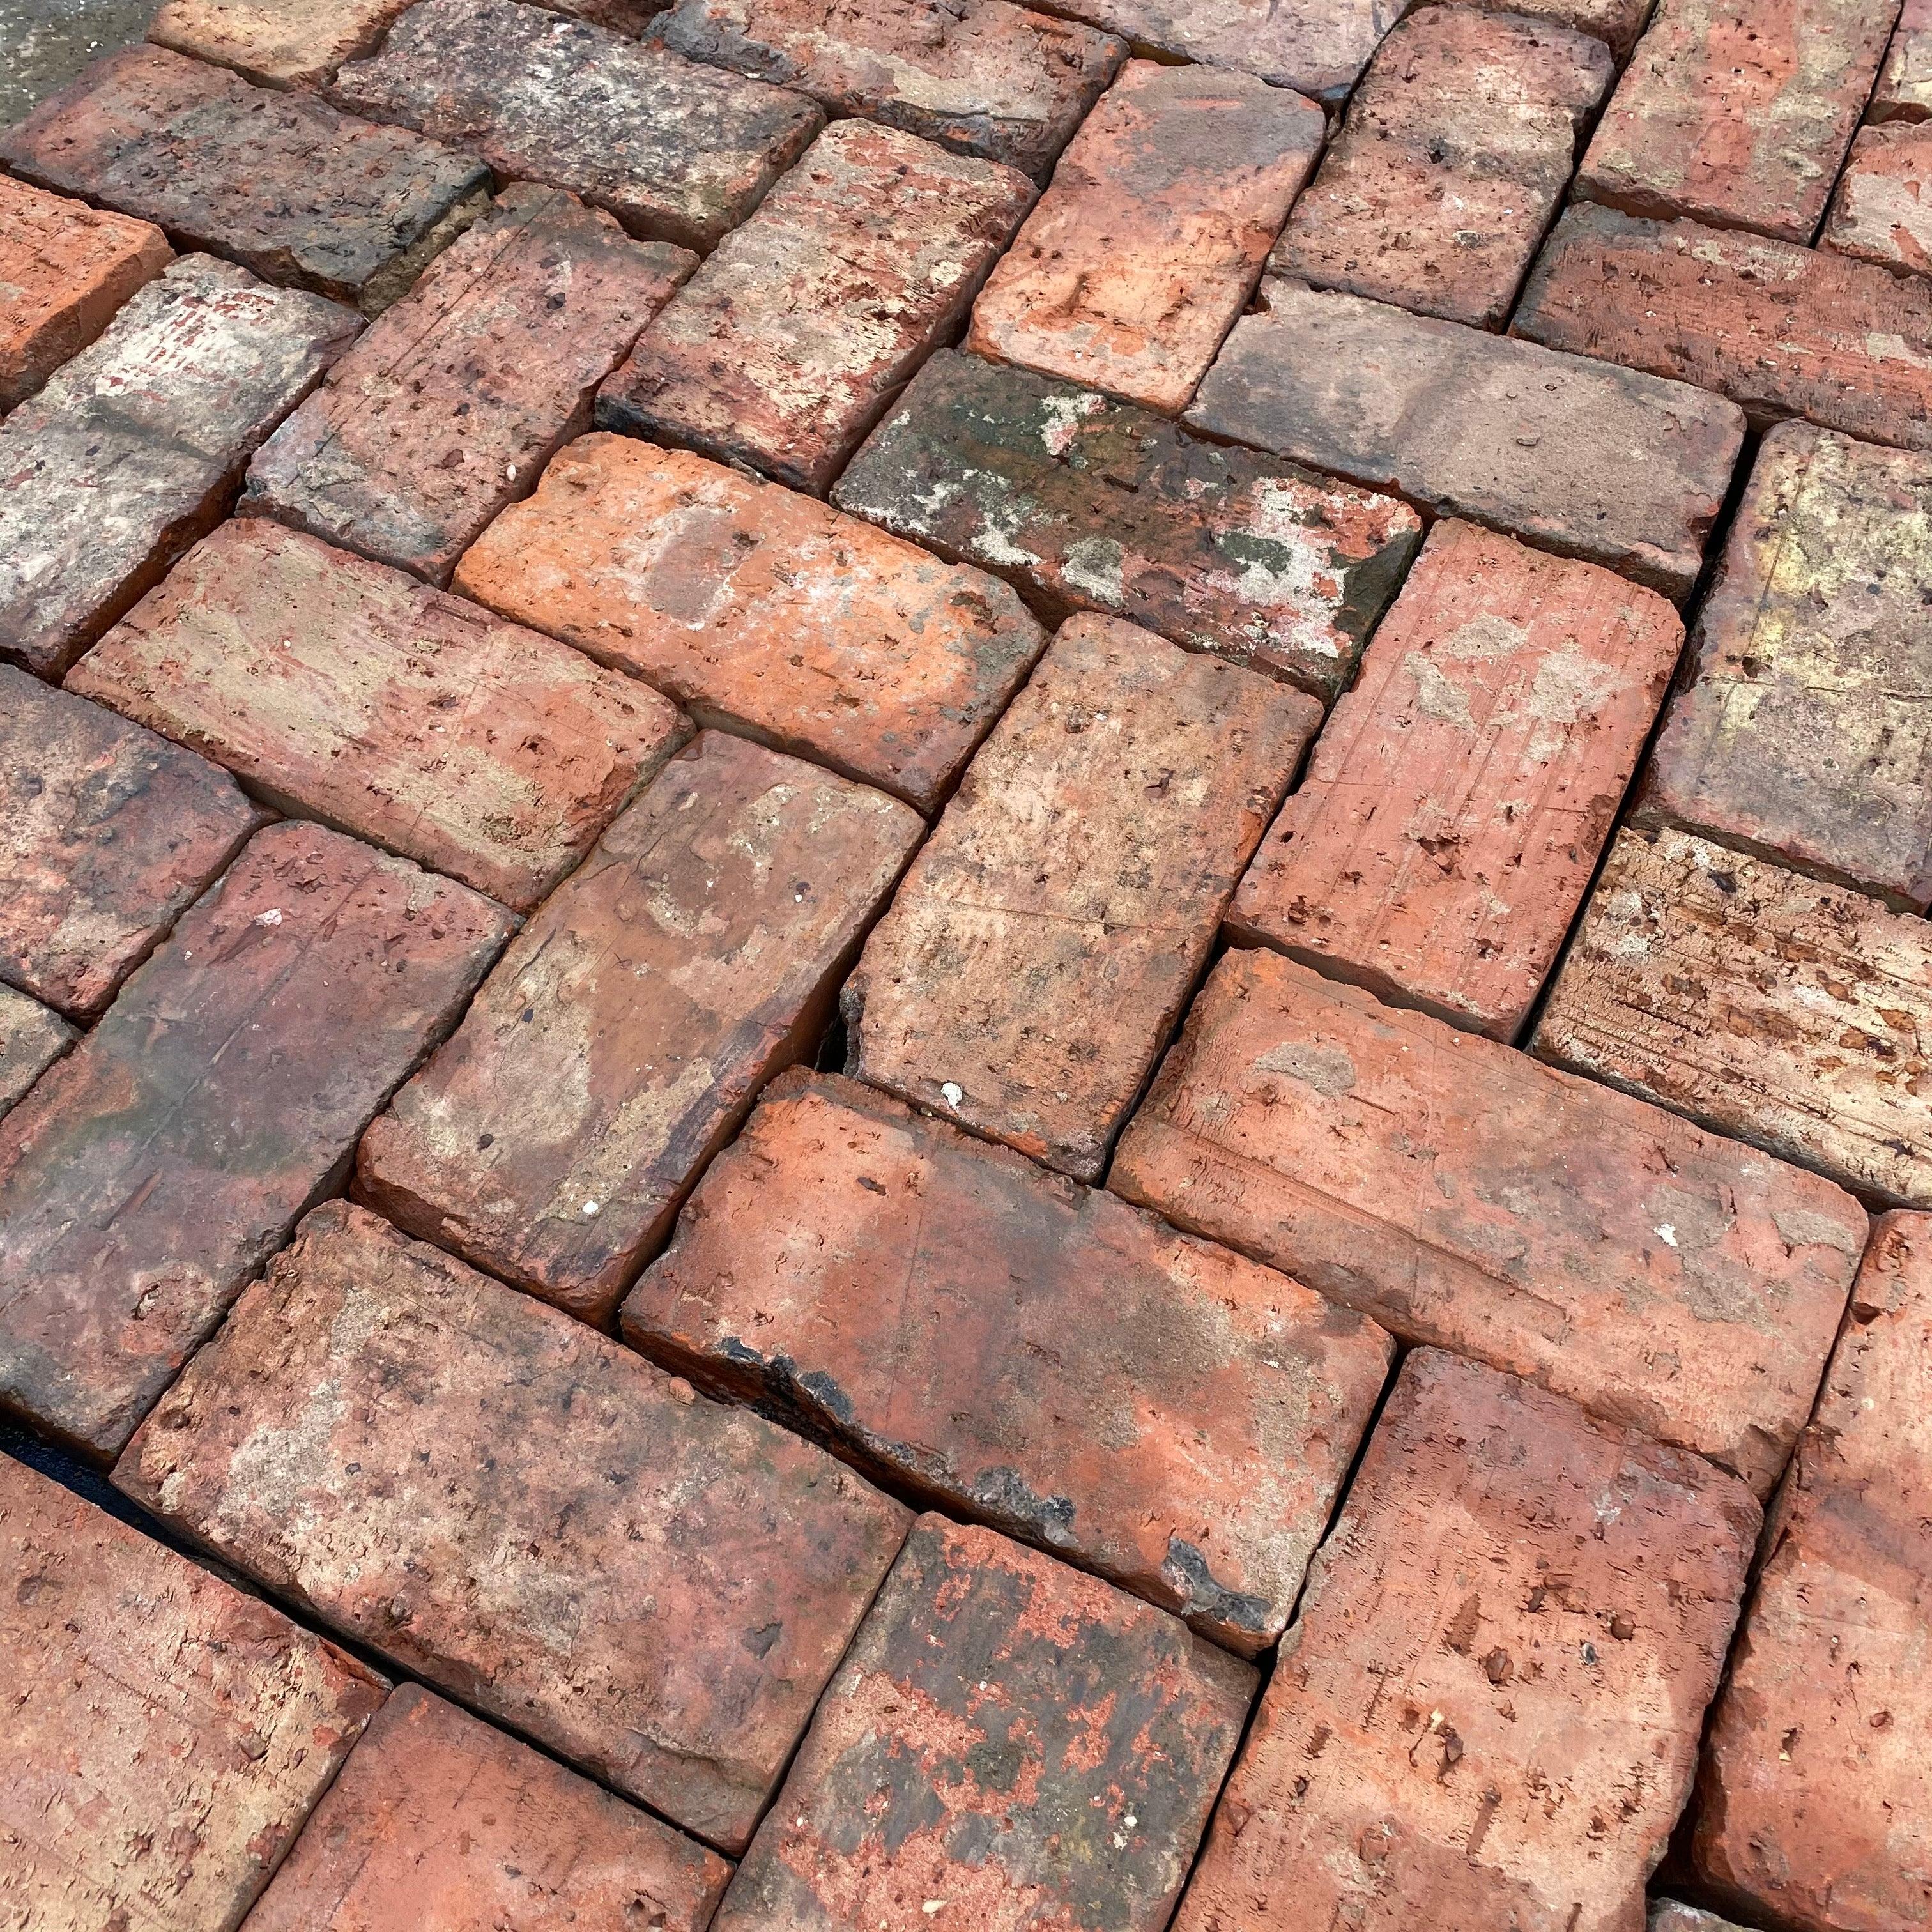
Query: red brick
(1010, 1744)
(1048, 935)
(626, 1033)
(164, 1735)
(1572, 456)
(275, 43)
(1816, 1805)
(1739, 112)
(762, 610)
(1465, 1197)
(979, 77)
(677, 151)
(1145, 1404)
(1462, 792)
(1458, 146)
(527, 1515)
(1152, 236)
(787, 346)
(32, 1039)
(440, 1824)
(151, 1172)
(1904, 89)
(1764, 1004)
(449, 407)
(1487, 1713)
(1879, 212)
(343, 692)
(1616, 23)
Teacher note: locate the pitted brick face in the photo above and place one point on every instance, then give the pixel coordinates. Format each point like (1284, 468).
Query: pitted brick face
(1879, 213)
(277, 42)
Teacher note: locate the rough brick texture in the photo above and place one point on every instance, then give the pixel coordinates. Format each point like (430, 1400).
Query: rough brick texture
(1571, 455)
(1458, 146)
(1787, 1013)
(1880, 212)
(523, 1513)
(1461, 792)
(1152, 233)
(449, 407)
(1072, 1795)
(32, 1039)
(164, 1735)
(1048, 934)
(1091, 505)
(626, 1033)
(1667, 1915)
(1145, 1405)
(1487, 1713)
(278, 42)
(343, 692)
(152, 1171)
(786, 346)
(1465, 1196)
(1904, 89)
(1616, 23)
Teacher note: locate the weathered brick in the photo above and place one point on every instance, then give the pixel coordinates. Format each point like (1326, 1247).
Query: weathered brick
(440, 1824)
(626, 1033)
(1488, 1712)
(154, 1170)
(621, 17)
(1047, 937)
(762, 610)
(1806, 736)
(1458, 146)
(1152, 236)
(1880, 212)
(1574, 456)
(523, 1513)
(1462, 791)
(32, 1039)
(1091, 505)
(132, 450)
(1816, 1805)
(1616, 23)
(276, 43)
(277, 181)
(1904, 89)
(107, 833)
(678, 152)
(979, 77)
(786, 346)
(1465, 1197)
(449, 407)
(1667, 1915)
(1145, 1405)
(1784, 331)
(1010, 1744)
(1737, 113)
(342, 691)
(164, 1735)
(1762, 1003)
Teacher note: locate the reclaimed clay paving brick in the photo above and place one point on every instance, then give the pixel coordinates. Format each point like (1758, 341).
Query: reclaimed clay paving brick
(1087, 504)
(1465, 1197)
(1009, 1744)
(274, 42)
(1462, 791)
(1574, 456)
(164, 1735)
(1487, 1712)
(1048, 936)
(1615, 22)
(791, 340)
(450, 406)
(762, 610)
(341, 690)
(32, 1039)
(149, 1175)
(531, 1517)
(1458, 146)
(1141, 253)
(1667, 1915)
(625, 1035)
(1904, 89)
(1019, 1349)
(1880, 212)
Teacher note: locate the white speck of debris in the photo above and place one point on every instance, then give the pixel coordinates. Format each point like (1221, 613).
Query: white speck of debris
(932, 1905)
(1130, 1821)
(592, 1207)
(1666, 1234)
(273, 916)
(509, 472)
(1119, 1841)
(953, 1092)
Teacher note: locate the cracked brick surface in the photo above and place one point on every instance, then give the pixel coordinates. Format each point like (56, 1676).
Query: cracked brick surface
(1903, 90)
(32, 1039)
(277, 42)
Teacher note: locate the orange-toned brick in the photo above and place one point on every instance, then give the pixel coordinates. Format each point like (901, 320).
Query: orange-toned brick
(277, 42)
(1904, 89)
(1882, 210)
(1617, 23)
(32, 1039)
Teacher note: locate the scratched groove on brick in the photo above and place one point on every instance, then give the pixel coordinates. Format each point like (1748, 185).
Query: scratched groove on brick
(1880, 212)
(274, 43)
(1904, 89)
(32, 1039)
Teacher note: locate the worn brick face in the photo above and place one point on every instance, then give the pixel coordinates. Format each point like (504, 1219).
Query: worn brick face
(1904, 89)
(1462, 791)
(1152, 233)
(1879, 213)
(1487, 1714)
(1667, 1915)
(1572, 455)
(32, 1039)
(1046, 938)
(762, 610)
(1616, 23)
(344, 691)
(655, 1588)
(1465, 1197)
(164, 1735)
(1022, 1743)
(277, 42)
(1092, 505)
